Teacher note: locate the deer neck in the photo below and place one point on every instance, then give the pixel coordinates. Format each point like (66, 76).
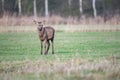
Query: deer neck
(42, 31)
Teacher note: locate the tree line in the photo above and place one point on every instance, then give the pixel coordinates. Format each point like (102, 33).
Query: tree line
(60, 7)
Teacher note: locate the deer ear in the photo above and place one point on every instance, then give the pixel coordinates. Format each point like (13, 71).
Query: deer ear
(44, 22)
(35, 21)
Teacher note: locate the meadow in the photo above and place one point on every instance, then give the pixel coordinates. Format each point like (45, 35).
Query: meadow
(89, 55)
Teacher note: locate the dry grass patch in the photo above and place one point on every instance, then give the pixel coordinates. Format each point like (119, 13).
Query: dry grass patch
(102, 69)
(7, 20)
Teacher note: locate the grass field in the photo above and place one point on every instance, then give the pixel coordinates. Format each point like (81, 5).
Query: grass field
(78, 55)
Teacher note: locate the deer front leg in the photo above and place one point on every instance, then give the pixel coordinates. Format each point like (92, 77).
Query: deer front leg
(48, 45)
(41, 47)
(44, 44)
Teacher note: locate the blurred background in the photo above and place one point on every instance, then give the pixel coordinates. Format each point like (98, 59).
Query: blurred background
(87, 40)
(21, 12)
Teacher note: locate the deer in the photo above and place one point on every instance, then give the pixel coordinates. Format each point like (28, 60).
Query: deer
(46, 34)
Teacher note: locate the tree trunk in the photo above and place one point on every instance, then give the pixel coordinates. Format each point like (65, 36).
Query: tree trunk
(3, 9)
(35, 9)
(94, 8)
(69, 6)
(46, 8)
(80, 7)
(19, 7)
(69, 3)
(104, 11)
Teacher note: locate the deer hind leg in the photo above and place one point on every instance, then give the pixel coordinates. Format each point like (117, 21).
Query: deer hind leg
(48, 45)
(52, 46)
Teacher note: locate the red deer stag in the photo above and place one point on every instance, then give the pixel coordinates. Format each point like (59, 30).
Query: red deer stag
(46, 34)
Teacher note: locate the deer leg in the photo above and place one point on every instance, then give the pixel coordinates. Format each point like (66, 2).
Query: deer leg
(41, 47)
(45, 47)
(52, 46)
(48, 45)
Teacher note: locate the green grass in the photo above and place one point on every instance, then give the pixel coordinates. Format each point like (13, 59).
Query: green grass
(78, 56)
(26, 45)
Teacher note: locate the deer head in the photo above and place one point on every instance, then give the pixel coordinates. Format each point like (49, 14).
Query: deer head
(40, 24)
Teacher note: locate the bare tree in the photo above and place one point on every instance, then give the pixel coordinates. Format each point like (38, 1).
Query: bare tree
(94, 8)
(104, 11)
(34, 7)
(3, 9)
(69, 3)
(80, 7)
(69, 6)
(19, 7)
(46, 8)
